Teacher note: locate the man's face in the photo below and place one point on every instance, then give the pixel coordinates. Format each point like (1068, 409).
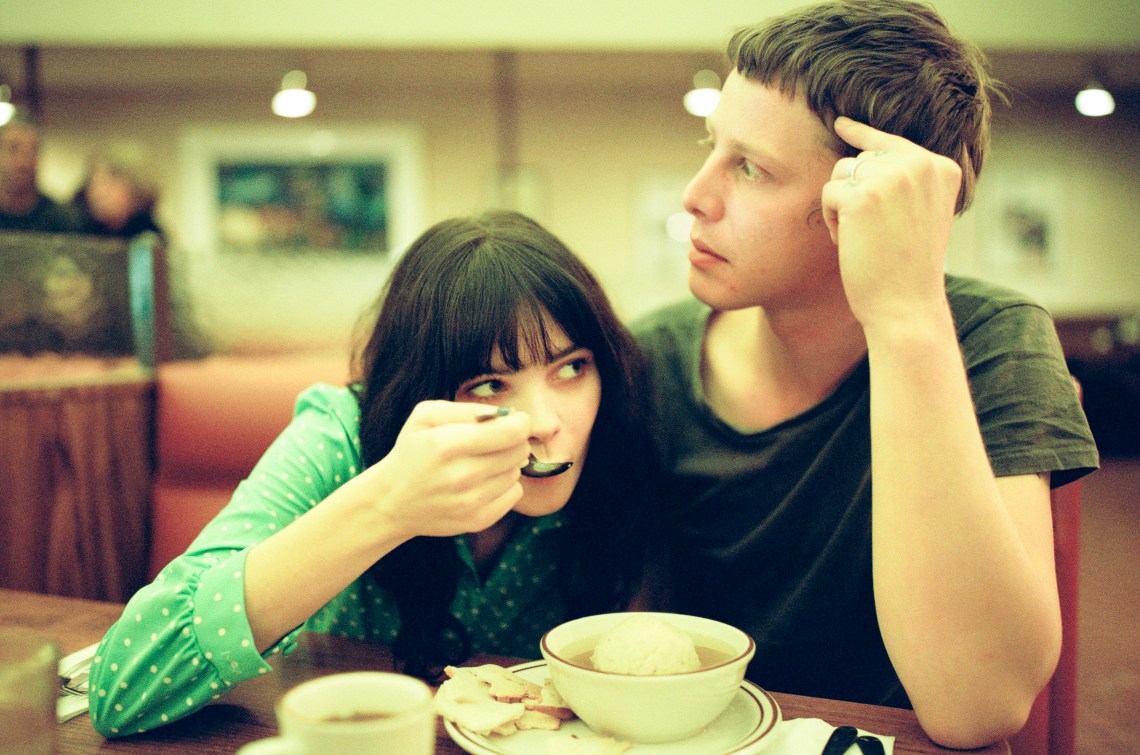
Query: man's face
(758, 236)
(19, 152)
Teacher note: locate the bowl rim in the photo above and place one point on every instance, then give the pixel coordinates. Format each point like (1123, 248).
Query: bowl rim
(749, 650)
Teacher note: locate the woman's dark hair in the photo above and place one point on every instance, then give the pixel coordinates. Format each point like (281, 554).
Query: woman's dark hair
(463, 289)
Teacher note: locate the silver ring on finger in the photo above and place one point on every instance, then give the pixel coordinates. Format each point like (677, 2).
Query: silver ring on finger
(854, 166)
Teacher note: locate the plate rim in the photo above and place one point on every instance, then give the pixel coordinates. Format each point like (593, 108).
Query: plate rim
(754, 691)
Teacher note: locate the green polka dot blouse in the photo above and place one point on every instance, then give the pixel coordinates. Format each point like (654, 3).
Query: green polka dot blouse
(184, 640)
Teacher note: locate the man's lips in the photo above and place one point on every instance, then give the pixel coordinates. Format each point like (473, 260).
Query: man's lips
(701, 255)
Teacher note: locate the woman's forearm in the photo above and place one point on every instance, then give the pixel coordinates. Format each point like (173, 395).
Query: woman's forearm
(291, 575)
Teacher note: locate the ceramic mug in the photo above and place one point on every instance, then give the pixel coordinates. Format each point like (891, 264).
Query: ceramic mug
(355, 712)
(29, 686)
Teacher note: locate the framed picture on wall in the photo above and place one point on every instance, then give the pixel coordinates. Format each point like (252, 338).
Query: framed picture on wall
(291, 190)
(325, 205)
(1024, 225)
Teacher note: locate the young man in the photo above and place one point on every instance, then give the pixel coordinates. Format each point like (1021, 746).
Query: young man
(861, 448)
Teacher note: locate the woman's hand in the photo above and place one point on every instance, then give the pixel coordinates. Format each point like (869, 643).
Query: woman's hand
(448, 472)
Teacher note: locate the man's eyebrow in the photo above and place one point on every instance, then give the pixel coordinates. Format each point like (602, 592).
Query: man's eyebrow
(735, 145)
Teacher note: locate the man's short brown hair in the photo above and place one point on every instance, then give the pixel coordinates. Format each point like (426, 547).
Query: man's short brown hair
(892, 64)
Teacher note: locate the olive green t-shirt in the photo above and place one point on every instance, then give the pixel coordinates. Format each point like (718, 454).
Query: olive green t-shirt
(771, 531)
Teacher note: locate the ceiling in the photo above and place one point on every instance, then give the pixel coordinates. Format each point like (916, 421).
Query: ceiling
(124, 45)
(522, 24)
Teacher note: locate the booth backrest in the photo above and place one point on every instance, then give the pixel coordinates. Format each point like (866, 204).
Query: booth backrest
(1052, 725)
(214, 419)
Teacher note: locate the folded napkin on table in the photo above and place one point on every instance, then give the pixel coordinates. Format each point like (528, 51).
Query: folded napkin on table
(73, 671)
(807, 736)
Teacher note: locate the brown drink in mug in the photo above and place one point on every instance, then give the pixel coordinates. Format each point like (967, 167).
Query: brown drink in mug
(29, 686)
(356, 712)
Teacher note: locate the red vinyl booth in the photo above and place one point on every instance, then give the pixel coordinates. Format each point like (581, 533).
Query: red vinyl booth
(213, 420)
(1052, 725)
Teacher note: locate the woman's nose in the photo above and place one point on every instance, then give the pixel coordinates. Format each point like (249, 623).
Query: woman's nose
(544, 419)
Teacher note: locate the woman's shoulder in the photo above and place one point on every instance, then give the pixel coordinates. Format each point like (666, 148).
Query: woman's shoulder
(325, 403)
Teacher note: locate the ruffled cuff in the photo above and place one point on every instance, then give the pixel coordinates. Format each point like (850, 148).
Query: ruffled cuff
(222, 627)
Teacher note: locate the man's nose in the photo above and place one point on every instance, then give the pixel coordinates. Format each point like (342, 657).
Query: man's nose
(701, 198)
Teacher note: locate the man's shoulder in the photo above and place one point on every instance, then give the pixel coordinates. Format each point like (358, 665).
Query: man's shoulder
(973, 300)
(50, 216)
(683, 316)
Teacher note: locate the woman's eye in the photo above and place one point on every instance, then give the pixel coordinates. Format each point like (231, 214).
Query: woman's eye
(485, 388)
(574, 368)
(749, 170)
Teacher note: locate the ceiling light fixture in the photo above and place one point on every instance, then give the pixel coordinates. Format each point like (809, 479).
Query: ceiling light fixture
(294, 100)
(7, 109)
(1094, 100)
(701, 100)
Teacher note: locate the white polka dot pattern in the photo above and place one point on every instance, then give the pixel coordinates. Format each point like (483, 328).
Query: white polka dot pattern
(187, 639)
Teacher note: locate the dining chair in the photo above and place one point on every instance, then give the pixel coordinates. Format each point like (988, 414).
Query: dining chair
(1052, 725)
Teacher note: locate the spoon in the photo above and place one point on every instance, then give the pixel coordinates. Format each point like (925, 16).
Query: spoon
(539, 469)
(534, 468)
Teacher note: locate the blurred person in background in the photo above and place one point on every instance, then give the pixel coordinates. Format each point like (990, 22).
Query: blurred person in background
(23, 207)
(119, 193)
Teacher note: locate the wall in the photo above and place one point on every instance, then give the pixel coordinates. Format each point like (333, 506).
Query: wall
(595, 152)
(1086, 171)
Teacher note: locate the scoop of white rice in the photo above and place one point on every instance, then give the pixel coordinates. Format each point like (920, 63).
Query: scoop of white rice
(645, 645)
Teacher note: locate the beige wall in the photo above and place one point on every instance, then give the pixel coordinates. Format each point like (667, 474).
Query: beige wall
(593, 152)
(1086, 172)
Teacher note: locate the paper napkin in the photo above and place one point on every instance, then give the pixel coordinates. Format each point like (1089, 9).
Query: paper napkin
(797, 736)
(68, 706)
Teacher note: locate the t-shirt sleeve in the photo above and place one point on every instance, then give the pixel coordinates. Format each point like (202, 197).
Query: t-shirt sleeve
(1026, 400)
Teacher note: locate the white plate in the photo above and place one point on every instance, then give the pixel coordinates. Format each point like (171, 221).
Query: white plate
(744, 728)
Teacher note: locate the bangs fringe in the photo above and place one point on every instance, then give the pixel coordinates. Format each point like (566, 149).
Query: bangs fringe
(494, 308)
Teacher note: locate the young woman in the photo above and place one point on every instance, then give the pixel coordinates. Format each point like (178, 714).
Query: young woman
(119, 193)
(394, 509)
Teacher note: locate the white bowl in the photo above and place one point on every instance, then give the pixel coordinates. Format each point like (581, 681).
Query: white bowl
(647, 709)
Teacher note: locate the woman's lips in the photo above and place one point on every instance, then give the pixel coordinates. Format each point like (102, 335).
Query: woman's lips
(702, 256)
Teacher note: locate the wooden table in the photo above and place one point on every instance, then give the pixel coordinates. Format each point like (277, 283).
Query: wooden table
(246, 713)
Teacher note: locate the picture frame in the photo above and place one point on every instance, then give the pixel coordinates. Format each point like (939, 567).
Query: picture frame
(1024, 226)
(292, 189)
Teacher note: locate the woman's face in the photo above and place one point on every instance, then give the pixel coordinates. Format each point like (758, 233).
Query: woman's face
(111, 197)
(562, 398)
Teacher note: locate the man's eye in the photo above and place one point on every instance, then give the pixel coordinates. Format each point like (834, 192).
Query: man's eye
(749, 170)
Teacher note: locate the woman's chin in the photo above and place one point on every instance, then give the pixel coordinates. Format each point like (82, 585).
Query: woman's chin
(546, 495)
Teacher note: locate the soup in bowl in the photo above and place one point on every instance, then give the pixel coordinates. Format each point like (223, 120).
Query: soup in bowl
(631, 675)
